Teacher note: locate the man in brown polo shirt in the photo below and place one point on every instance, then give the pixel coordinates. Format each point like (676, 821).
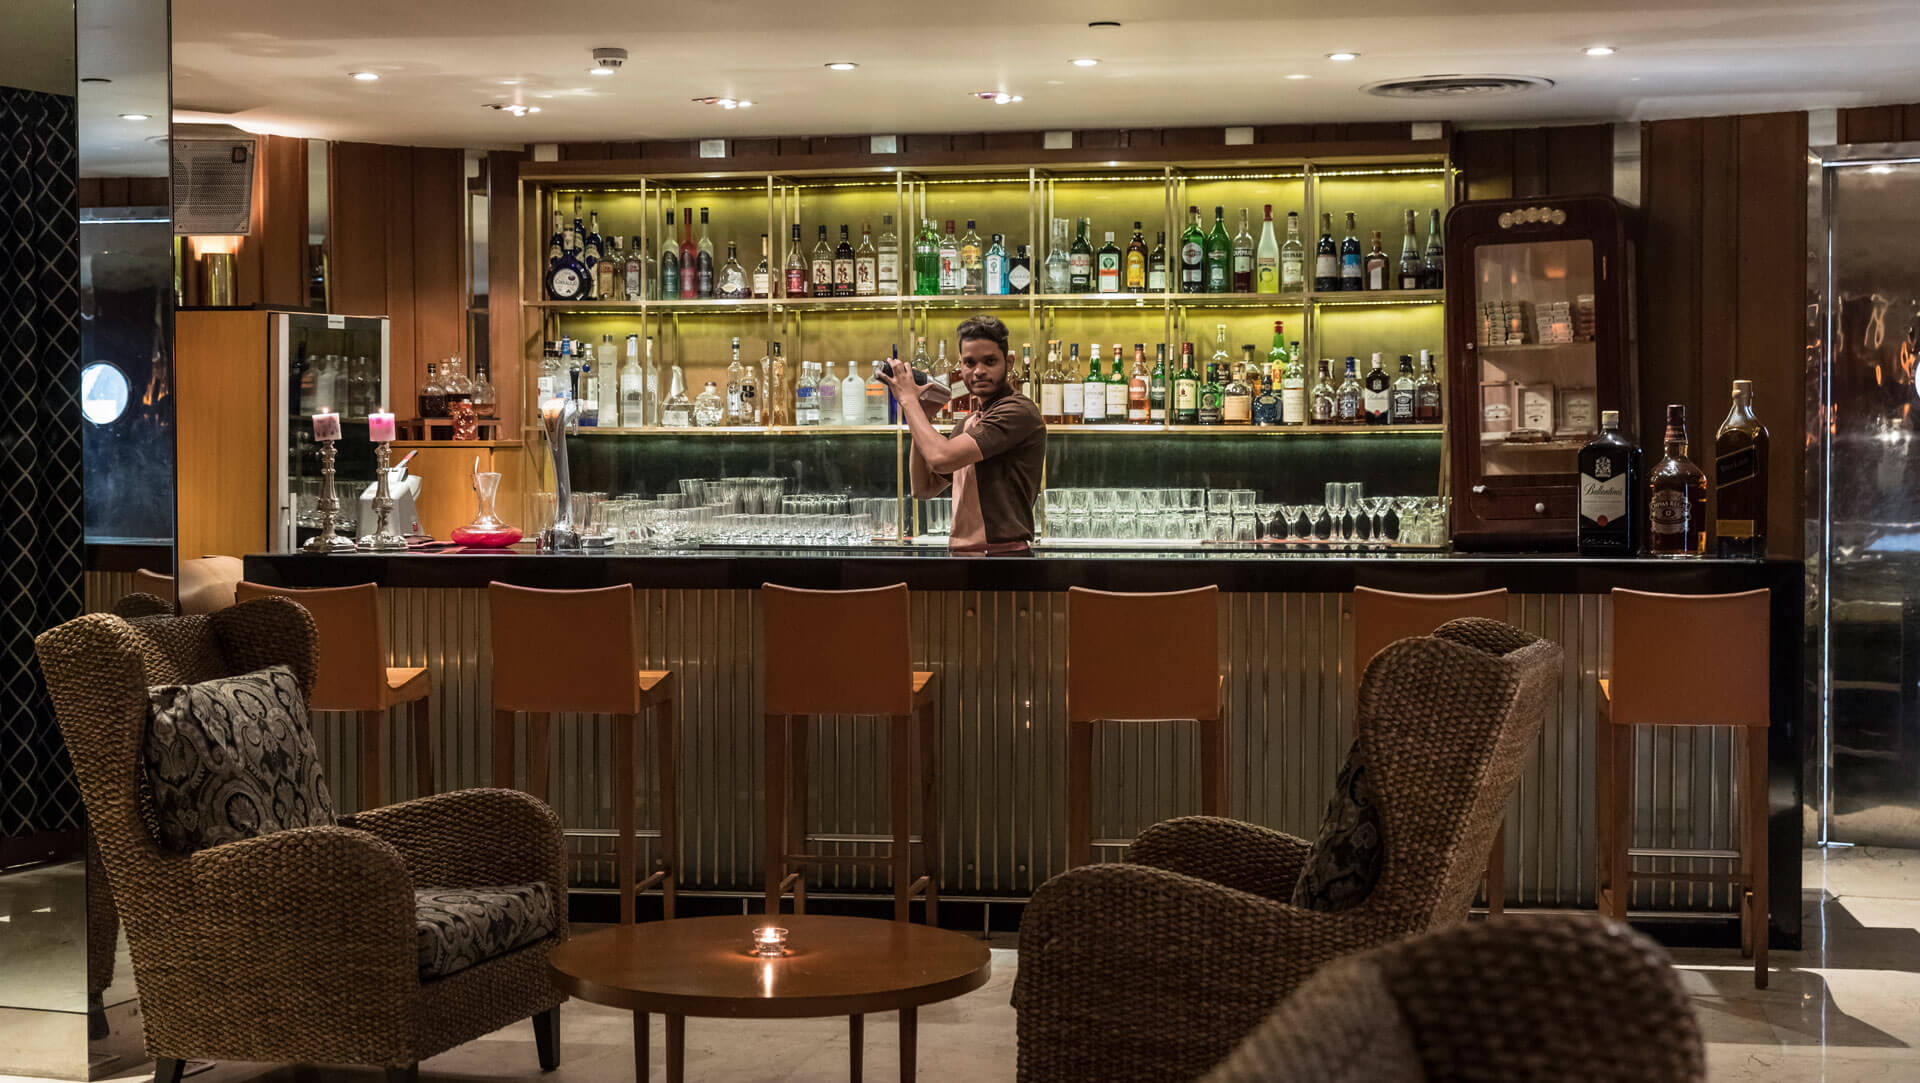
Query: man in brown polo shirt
(992, 460)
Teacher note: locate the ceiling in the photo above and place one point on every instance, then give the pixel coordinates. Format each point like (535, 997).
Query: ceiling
(281, 66)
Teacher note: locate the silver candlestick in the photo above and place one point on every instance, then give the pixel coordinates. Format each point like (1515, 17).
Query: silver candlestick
(328, 541)
(383, 539)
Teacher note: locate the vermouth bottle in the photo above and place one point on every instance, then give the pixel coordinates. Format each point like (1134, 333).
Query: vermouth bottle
(1219, 254)
(1193, 255)
(1676, 496)
(1243, 254)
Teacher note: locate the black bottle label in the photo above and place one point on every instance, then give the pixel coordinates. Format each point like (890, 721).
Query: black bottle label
(1402, 405)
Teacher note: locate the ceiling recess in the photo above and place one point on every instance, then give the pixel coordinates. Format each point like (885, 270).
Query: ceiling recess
(1458, 86)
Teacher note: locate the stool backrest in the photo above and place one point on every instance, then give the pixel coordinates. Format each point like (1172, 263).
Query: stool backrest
(157, 584)
(564, 650)
(1109, 678)
(1690, 659)
(207, 583)
(351, 623)
(1381, 617)
(835, 651)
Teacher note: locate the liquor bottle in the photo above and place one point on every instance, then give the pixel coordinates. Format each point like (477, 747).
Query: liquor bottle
(485, 399)
(1403, 401)
(1377, 269)
(1221, 358)
(1352, 270)
(921, 364)
(1073, 399)
(1326, 259)
(1284, 365)
(973, 267)
(1052, 387)
(1157, 263)
(1107, 269)
(1134, 280)
(634, 279)
(806, 397)
(592, 248)
(556, 242)
(952, 279)
(1219, 254)
(433, 397)
(633, 386)
(1243, 255)
(880, 402)
(1193, 255)
(1607, 488)
(1293, 265)
(547, 383)
(1376, 398)
(778, 408)
(1026, 386)
(753, 408)
(1157, 386)
(1137, 391)
(669, 262)
(996, 266)
(1213, 395)
(886, 263)
(567, 278)
(1348, 399)
(1740, 479)
(1117, 392)
(733, 277)
(689, 258)
(1435, 260)
(709, 410)
(1236, 401)
(605, 391)
(828, 394)
(1080, 258)
(843, 266)
(796, 270)
(1186, 389)
(595, 245)
(608, 269)
(1020, 272)
(1266, 400)
(676, 412)
(1093, 391)
(1058, 267)
(926, 261)
(853, 397)
(1426, 393)
(866, 264)
(1266, 257)
(959, 399)
(705, 248)
(736, 376)
(821, 276)
(1412, 270)
(1676, 496)
(1325, 409)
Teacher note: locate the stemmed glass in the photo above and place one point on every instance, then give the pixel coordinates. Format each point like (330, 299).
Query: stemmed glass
(1288, 526)
(1356, 507)
(1317, 514)
(1336, 509)
(1268, 517)
(1377, 506)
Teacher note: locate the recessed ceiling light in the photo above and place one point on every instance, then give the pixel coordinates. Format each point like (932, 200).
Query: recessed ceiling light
(1298, 75)
(1343, 56)
(997, 97)
(1085, 61)
(724, 103)
(1105, 24)
(600, 71)
(842, 65)
(365, 76)
(136, 116)
(95, 79)
(515, 108)
(1599, 50)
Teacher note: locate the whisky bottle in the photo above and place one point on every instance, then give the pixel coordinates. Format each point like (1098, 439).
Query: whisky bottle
(1236, 397)
(1376, 398)
(1213, 394)
(1325, 411)
(1740, 479)
(1347, 400)
(1376, 266)
(1157, 387)
(1186, 389)
(1266, 399)
(1116, 389)
(1402, 403)
(762, 271)
(1607, 467)
(1093, 399)
(1676, 496)
(1137, 386)
(1157, 264)
(1426, 393)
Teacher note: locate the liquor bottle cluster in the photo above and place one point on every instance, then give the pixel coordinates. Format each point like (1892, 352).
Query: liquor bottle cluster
(448, 383)
(1346, 266)
(1674, 496)
(347, 385)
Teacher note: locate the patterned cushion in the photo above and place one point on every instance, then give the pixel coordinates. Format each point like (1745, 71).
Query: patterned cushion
(1344, 863)
(231, 759)
(461, 926)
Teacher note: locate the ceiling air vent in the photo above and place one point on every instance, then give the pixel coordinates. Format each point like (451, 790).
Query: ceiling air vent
(1458, 86)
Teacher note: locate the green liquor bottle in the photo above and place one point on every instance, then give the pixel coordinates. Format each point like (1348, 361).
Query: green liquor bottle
(1157, 387)
(1213, 397)
(1193, 255)
(1186, 389)
(926, 261)
(1219, 254)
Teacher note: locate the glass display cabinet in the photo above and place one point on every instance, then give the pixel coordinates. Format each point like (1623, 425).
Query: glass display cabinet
(1540, 341)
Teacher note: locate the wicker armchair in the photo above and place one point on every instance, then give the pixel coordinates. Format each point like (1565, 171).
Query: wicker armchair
(298, 945)
(1157, 968)
(1534, 999)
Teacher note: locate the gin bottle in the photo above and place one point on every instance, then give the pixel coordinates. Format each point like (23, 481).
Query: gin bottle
(973, 268)
(709, 409)
(1059, 270)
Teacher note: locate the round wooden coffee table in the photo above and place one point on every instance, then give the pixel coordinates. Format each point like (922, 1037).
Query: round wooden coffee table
(833, 966)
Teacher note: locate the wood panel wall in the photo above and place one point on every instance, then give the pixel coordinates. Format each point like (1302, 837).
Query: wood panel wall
(507, 340)
(222, 406)
(1509, 163)
(1880, 124)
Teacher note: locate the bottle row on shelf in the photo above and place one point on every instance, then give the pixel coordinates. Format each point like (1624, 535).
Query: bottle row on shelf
(584, 264)
(348, 385)
(448, 384)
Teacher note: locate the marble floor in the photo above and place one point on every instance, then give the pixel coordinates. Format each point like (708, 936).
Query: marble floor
(1847, 1008)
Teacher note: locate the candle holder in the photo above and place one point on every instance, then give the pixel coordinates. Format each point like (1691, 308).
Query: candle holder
(328, 541)
(383, 539)
(769, 942)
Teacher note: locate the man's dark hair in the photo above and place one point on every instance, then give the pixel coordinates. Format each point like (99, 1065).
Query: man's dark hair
(984, 326)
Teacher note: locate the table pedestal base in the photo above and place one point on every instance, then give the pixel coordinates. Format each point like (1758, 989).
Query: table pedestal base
(856, 1043)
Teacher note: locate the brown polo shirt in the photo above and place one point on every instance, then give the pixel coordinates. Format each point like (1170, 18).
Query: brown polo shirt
(993, 498)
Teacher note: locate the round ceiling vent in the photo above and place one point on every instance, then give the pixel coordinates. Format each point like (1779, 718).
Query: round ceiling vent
(1458, 86)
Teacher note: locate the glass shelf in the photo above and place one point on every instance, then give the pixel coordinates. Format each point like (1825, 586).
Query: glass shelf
(1143, 301)
(1052, 430)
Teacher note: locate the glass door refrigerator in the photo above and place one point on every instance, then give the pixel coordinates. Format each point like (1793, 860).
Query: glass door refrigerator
(322, 361)
(1540, 341)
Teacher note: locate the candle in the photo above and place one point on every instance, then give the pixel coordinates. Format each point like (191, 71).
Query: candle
(769, 941)
(380, 427)
(326, 425)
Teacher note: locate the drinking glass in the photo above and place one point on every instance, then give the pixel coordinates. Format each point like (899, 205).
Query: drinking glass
(1356, 507)
(1267, 515)
(1241, 501)
(1219, 500)
(542, 512)
(1336, 509)
(1219, 525)
(1245, 528)
(1287, 526)
(1316, 515)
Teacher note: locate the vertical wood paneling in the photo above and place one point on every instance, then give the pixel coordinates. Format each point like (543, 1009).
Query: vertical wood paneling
(406, 369)
(1502, 163)
(1670, 201)
(505, 347)
(437, 213)
(279, 236)
(1771, 315)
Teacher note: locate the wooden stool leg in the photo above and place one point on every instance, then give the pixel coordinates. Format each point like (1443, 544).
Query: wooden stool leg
(1079, 793)
(930, 854)
(856, 1045)
(503, 750)
(623, 811)
(775, 800)
(539, 751)
(1620, 819)
(642, 1040)
(676, 1048)
(900, 786)
(909, 1044)
(1602, 814)
(799, 748)
(1213, 767)
(1756, 861)
(373, 759)
(1497, 872)
(666, 720)
(423, 745)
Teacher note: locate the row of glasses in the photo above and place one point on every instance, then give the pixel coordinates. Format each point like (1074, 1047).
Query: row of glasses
(746, 496)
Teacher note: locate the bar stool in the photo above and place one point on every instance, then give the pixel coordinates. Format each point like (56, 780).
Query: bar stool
(1688, 660)
(158, 584)
(1381, 617)
(354, 677)
(1107, 683)
(208, 583)
(846, 652)
(578, 650)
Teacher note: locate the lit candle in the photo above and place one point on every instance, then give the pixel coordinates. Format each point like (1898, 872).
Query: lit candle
(380, 427)
(770, 941)
(326, 425)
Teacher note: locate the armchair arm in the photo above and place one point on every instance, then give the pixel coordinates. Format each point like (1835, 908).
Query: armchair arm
(1232, 853)
(1130, 972)
(472, 838)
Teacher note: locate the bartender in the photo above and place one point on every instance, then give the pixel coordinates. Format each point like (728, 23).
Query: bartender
(992, 460)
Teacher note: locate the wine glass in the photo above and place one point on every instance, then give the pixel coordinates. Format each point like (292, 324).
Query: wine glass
(1336, 508)
(1378, 505)
(1268, 517)
(1356, 507)
(1288, 527)
(1316, 515)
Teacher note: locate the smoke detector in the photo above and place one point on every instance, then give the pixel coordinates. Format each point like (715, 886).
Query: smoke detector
(1458, 86)
(607, 60)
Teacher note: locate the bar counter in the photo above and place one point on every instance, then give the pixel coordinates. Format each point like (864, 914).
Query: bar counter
(994, 629)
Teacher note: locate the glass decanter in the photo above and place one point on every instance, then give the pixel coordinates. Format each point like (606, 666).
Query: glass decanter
(486, 531)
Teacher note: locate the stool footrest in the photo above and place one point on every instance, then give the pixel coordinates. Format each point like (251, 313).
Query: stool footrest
(1711, 855)
(1693, 877)
(832, 859)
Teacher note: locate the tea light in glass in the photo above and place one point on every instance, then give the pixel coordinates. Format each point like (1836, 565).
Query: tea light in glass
(769, 941)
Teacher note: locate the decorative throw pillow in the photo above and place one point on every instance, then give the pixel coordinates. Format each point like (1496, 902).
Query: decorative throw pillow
(231, 758)
(1344, 863)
